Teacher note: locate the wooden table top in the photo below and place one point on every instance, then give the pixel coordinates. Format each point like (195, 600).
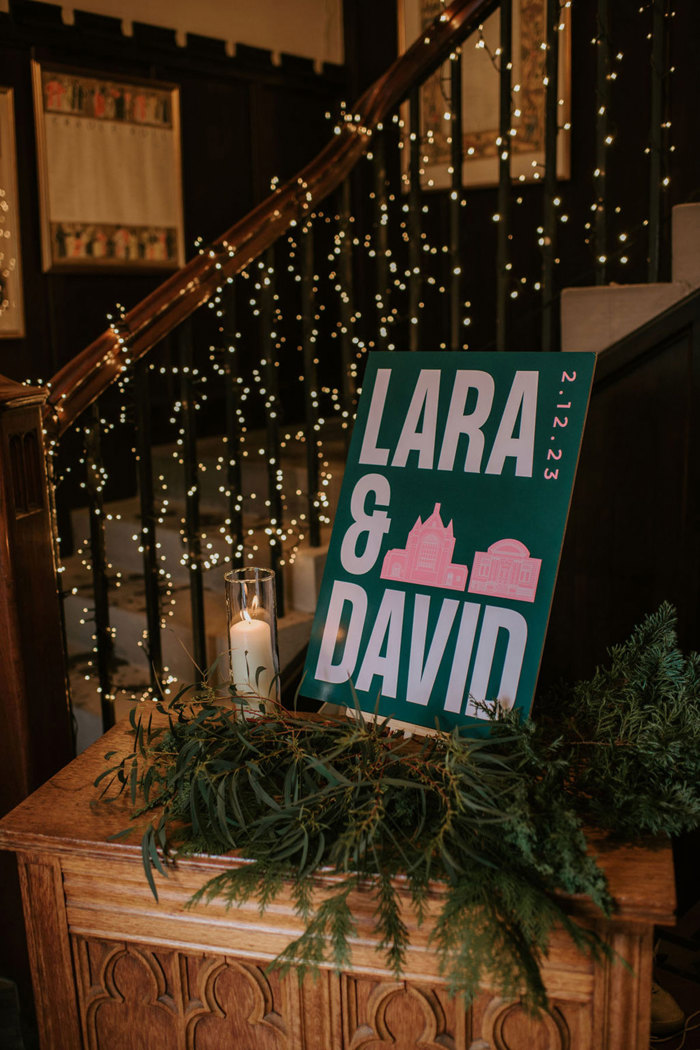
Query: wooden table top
(66, 816)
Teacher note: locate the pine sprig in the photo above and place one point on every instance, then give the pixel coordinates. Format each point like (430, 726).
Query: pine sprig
(631, 734)
(303, 798)
(490, 827)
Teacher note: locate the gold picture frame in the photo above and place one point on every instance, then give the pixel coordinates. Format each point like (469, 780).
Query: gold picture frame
(11, 305)
(480, 94)
(109, 171)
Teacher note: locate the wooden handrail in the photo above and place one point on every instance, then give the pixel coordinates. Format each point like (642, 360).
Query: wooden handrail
(90, 372)
(15, 395)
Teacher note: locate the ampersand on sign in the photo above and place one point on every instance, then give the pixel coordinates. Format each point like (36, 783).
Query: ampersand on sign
(374, 525)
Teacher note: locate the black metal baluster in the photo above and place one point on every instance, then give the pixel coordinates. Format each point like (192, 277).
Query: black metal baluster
(549, 227)
(151, 576)
(104, 643)
(455, 202)
(268, 322)
(381, 239)
(601, 134)
(192, 536)
(415, 280)
(52, 484)
(658, 47)
(503, 236)
(347, 302)
(309, 350)
(234, 479)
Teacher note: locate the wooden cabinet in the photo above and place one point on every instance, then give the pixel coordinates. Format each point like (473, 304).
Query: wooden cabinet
(114, 970)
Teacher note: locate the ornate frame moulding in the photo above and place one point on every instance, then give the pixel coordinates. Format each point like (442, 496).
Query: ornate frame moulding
(480, 95)
(109, 171)
(11, 304)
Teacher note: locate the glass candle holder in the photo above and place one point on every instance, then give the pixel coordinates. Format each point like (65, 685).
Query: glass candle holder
(252, 632)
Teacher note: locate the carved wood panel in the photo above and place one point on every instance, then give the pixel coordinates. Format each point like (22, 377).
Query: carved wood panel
(400, 1015)
(238, 998)
(134, 997)
(26, 471)
(142, 997)
(505, 1025)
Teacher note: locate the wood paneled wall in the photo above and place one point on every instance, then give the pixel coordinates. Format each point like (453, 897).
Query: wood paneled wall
(244, 119)
(631, 540)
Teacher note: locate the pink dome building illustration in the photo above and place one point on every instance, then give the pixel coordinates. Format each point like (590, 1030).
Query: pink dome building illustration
(506, 570)
(427, 556)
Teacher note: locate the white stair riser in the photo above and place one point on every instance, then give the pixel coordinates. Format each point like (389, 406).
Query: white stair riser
(213, 488)
(129, 625)
(593, 318)
(122, 532)
(122, 549)
(306, 574)
(685, 243)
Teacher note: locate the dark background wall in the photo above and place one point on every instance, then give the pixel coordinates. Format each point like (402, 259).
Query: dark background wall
(243, 120)
(370, 42)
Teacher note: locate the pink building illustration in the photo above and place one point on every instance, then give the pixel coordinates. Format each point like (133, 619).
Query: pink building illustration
(506, 570)
(427, 557)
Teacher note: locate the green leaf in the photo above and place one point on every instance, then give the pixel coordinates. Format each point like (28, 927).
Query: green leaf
(497, 820)
(258, 789)
(121, 834)
(146, 860)
(133, 781)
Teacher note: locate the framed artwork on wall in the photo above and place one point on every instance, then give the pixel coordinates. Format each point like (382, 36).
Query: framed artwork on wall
(11, 307)
(480, 93)
(109, 171)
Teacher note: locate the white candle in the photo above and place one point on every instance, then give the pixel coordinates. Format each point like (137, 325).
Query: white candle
(251, 648)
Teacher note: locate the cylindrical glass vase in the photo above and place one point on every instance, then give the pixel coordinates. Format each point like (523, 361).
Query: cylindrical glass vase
(252, 632)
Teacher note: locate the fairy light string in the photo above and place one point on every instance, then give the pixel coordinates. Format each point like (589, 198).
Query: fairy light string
(339, 318)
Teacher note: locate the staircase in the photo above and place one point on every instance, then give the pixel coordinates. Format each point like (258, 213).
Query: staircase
(268, 327)
(395, 264)
(593, 318)
(302, 573)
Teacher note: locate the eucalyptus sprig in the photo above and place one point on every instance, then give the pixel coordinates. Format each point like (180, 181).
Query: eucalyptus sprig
(303, 798)
(490, 827)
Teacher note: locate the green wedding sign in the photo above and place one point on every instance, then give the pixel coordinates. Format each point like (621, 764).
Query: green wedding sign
(445, 546)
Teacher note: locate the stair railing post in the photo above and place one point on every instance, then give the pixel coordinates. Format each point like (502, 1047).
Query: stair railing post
(148, 539)
(94, 485)
(309, 335)
(234, 473)
(505, 120)
(601, 134)
(455, 214)
(551, 128)
(347, 301)
(415, 280)
(381, 239)
(656, 136)
(268, 343)
(192, 536)
(36, 739)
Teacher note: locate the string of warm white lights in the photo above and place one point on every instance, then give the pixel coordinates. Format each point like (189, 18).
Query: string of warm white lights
(336, 316)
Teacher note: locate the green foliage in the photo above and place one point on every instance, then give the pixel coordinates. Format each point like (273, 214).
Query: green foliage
(631, 735)
(338, 805)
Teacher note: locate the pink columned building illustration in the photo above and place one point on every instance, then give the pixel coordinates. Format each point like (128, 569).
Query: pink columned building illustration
(427, 556)
(506, 570)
